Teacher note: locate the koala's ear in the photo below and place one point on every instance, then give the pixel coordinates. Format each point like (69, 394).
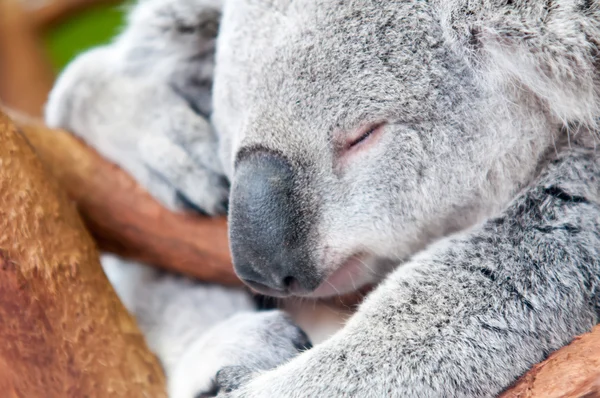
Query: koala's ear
(554, 57)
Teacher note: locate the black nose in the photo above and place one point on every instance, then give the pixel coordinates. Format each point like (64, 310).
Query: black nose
(269, 228)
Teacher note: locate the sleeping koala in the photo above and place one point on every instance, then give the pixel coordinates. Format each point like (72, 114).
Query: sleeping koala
(444, 150)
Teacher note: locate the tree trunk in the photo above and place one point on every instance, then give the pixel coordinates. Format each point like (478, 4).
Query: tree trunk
(63, 331)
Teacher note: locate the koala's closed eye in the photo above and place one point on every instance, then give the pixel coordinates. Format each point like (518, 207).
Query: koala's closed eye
(363, 136)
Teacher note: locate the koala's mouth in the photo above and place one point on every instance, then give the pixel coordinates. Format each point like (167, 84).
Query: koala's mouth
(350, 276)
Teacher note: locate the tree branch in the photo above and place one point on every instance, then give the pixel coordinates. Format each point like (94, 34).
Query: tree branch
(63, 331)
(124, 218)
(571, 372)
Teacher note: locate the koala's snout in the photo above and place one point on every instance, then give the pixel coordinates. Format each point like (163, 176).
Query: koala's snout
(268, 227)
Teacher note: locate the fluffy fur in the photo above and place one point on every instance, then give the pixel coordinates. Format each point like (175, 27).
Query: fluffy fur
(475, 198)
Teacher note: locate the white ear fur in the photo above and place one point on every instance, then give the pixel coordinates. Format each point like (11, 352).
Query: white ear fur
(552, 51)
(568, 84)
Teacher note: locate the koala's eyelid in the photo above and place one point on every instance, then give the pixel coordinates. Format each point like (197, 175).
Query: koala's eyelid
(361, 138)
(362, 134)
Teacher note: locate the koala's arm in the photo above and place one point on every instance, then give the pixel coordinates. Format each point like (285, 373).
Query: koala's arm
(472, 313)
(196, 329)
(143, 102)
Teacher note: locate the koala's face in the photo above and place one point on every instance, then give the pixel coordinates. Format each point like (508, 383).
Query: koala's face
(354, 135)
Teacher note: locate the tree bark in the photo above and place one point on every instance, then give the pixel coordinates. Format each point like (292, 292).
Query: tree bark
(571, 372)
(63, 331)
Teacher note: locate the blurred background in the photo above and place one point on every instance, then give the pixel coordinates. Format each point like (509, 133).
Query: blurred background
(39, 37)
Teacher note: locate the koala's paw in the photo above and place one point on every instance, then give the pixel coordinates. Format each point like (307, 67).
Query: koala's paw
(233, 351)
(145, 126)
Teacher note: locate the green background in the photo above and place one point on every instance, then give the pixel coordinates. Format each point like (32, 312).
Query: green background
(94, 26)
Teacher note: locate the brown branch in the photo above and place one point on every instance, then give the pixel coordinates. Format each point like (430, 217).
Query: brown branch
(63, 331)
(26, 76)
(571, 372)
(52, 12)
(123, 217)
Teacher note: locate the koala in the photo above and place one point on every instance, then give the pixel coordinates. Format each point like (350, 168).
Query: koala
(444, 151)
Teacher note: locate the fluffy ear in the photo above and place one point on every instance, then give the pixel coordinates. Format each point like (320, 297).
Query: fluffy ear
(550, 48)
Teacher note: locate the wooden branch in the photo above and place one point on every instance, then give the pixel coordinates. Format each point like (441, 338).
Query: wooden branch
(124, 218)
(571, 372)
(63, 331)
(52, 12)
(26, 76)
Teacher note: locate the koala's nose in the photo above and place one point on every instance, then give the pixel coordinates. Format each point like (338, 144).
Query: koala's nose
(268, 229)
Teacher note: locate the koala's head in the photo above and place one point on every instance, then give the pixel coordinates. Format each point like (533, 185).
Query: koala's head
(355, 134)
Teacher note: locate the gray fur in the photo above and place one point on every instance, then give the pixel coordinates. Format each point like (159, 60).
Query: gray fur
(469, 315)
(477, 196)
(475, 99)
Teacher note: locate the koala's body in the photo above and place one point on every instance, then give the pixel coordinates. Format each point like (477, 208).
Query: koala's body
(444, 150)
